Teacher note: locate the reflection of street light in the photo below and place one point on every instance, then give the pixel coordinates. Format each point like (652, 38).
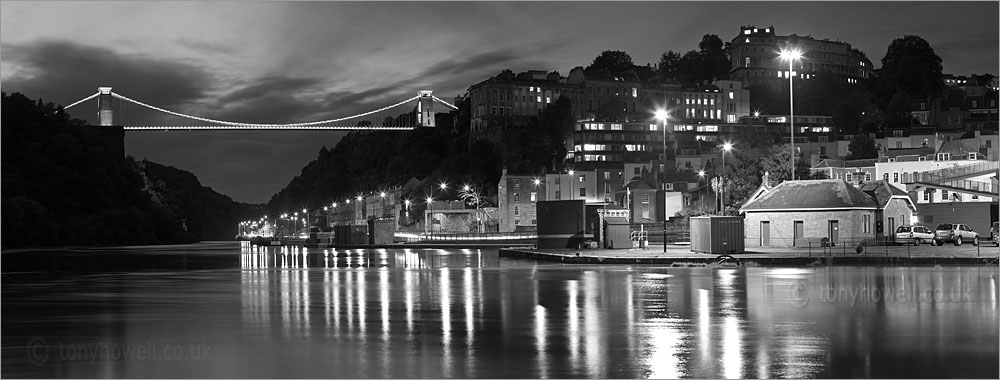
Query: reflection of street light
(791, 56)
(722, 189)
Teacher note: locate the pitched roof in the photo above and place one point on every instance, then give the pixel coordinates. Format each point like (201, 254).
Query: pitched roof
(956, 148)
(882, 191)
(639, 184)
(922, 151)
(811, 195)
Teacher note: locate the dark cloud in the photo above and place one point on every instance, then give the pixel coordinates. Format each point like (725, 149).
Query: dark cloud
(63, 72)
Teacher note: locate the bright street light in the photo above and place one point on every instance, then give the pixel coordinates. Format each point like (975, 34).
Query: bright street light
(722, 190)
(444, 186)
(359, 198)
(791, 56)
(466, 188)
(537, 182)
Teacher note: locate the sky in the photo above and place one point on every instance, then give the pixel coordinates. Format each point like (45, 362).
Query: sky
(281, 62)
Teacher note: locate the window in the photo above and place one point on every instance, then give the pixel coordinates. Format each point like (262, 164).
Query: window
(558, 196)
(943, 156)
(730, 95)
(927, 194)
(517, 197)
(897, 133)
(517, 185)
(516, 211)
(746, 62)
(895, 177)
(607, 176)
(636, 170)
(645, 198)
(866, 221)
(850, 177)
(974, 104)
(583, 178)
(972, 156)
(868, 177)
(645, 213)
(944, 195)
(583, 191)
(989, 143)
(885, 177)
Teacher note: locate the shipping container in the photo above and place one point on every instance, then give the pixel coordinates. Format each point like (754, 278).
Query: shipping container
(717, 234)
(561, 224)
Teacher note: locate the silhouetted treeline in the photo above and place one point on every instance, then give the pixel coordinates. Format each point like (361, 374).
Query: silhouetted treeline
(63, 183)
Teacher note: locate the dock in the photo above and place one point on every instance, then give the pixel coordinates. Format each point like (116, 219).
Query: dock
(681, 255)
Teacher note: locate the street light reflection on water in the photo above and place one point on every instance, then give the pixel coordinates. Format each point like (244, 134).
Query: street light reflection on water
(297, 312)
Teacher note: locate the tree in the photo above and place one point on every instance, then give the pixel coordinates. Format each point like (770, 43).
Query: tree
(612, 60)
(668, 66)
(861, 147)
(911, 66)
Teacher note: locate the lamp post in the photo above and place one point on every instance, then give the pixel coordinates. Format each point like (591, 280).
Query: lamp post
(570, 186)
(701, 176)
(663, 115)
(381, 194)
(791, 56)
(722, 188)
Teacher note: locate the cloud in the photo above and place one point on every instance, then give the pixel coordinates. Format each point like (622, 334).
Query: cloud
(63, 72)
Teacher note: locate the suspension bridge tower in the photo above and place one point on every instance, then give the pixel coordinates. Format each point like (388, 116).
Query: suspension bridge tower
(104, 111)
(425, 108)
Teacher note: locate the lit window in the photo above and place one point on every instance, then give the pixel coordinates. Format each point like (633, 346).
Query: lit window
(747, 62)
(548, 99)
(539, 99)
(730, 95)
(747, 32)
(534, 196)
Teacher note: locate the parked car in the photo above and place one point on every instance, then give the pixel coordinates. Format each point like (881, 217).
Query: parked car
(995, 233)
(956, 233)
(915, 235)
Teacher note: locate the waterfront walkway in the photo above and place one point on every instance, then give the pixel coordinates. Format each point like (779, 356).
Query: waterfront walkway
(682, 255)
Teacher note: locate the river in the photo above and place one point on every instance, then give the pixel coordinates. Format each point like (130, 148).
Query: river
(228, 310)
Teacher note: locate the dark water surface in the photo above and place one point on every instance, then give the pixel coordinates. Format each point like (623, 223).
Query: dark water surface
(247, 312)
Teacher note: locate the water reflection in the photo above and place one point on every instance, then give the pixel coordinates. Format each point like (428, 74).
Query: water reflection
(466, 313)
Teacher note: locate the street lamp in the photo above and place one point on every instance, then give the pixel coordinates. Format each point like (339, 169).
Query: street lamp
(791, 56)
(722, 189)
(570, 186)
(381, 194)
(663, 115)
(701, 176)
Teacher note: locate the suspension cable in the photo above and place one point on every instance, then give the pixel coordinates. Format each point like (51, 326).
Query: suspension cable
(260, 125)
(82, 100)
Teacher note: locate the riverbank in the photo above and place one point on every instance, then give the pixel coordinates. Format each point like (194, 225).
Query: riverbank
(680, 255)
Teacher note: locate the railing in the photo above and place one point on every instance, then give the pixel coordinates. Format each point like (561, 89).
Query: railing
(460, 237)
(983, 187)
(948, 174)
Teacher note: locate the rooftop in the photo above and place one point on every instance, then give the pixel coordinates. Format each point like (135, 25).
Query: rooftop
(811, 195)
